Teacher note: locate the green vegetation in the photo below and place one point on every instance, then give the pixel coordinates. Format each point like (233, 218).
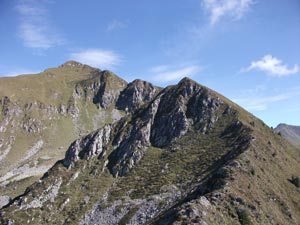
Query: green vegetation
(39, 108)
(295, 181)
(244, 217)
(183, 164)
(234, 173)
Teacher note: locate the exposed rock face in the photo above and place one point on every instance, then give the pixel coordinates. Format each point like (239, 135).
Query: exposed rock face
(107, 94)
(72, 64)
(103, 89)
(188, 104)
(4, 200)
(136, 94)
(169, 116)
(92, 145)
(48, 195)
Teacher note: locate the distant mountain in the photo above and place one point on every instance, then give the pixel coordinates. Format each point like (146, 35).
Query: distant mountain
(291, 133)
(179, 155)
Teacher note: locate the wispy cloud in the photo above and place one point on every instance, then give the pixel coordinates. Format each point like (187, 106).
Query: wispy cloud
(165, 73)
(272, 66)
(35, 28)
(226, 9)
(104, 59)
(114, 25)
(260, 104)
(18, 72)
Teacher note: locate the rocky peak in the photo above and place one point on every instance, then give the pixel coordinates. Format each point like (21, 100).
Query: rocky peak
(72, 64)
(109, 90)
(187, 81)
(103, 88)
(168, 116)
(181, 107)
(136, 94)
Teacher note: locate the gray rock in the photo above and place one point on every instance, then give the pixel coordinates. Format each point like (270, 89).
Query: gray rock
(109, 89)
(169, 116)
(136, 94)
(88, 146)
(4, 200)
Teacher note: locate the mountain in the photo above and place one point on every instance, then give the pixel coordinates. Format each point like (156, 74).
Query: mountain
(179, 155)
(291, 133)
(41, 114)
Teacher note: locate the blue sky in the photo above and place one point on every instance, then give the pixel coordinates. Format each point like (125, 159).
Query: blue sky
(247, 50)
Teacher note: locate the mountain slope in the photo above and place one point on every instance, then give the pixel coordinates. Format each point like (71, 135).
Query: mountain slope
(291, 133)
(189, 155)
(42, 114)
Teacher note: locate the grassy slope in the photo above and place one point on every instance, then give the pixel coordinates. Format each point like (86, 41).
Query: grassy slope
(258, 190)
(291, 133)
(53, 87)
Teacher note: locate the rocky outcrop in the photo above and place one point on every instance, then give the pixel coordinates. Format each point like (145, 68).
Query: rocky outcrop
(136, 94)
(186, 105)
(169, 116)
(102, 89)
(109, 89)
(87, 147)
(5, 102)
(132, 141)
(71, 64)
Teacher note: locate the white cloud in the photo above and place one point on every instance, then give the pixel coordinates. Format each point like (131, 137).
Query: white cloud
(165, 75)
(228, 9)
(261, 104)
(114, 25)
(104, 59)
(35, 27)
(159, 69)
(273, 67)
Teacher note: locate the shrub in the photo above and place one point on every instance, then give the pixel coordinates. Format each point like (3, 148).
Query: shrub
(244, 217)
(295, 181)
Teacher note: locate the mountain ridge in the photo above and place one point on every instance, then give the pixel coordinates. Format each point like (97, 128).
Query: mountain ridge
(290, 132)
(179, 155)
(64, 102)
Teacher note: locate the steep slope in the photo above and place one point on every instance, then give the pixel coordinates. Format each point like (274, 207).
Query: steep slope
(188, 156)
(41, 114)
(291, 133)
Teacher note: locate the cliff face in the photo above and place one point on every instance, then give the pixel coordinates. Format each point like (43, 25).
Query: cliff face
(180, 155)
(170, 115)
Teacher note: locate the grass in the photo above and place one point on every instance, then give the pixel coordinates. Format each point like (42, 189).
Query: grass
(189, 163)
(244, 217)
(54, 88)
(88, 185)
(183, 164)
